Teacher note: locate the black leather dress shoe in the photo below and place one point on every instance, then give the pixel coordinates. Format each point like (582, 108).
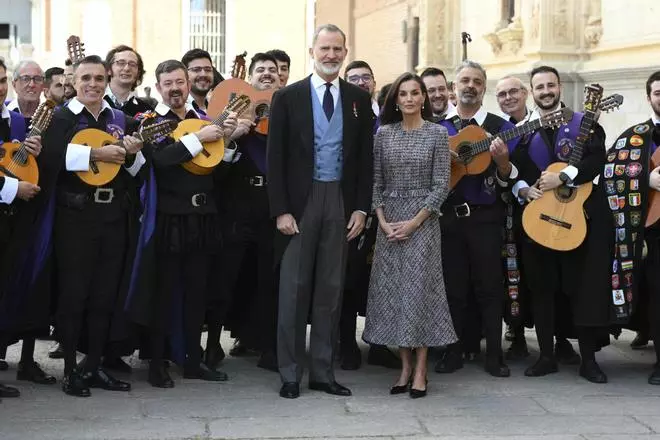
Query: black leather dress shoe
(591, 371)
(351, 357)
(565, 353)
(57, 352)
(31, 371)
(73, 384)
(101, 379)
(542, 367)
(268, 361)
(4, 366)
(497, 368)
(116, 364)
(6, 391)
(160, 378)
(517, 350)
(654, 378)
(382, 356)
(203, 372)
(290, 390)
(331, 388)
(449, 362)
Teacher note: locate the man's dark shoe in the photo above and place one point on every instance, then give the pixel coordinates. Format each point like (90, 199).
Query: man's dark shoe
(591, 371)
(517, 350)
(57, 352)
(351, 357)
(7, 391)
(640, 342)
(449, 361)
(290, 390)
(204, 373)
(331, 388)
(116, 364)
(268, 361)
(73, 384)
(4, 366)
(31, 371)
(654, 378)
(497, 368)
(159, 377)
(565, 354)
(542, 367)
(382, 356)
(101, 379)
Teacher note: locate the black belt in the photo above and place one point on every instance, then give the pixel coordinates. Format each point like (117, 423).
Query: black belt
(75, 200)
(196, 200)
(465, 209)
(258, 181)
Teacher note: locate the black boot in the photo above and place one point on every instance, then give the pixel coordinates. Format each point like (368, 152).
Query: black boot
(159, 377)
(591, 371)
(73, 384)
(542, 367)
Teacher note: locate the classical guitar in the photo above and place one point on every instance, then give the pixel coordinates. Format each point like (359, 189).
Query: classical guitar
(75, 49)
(472, 144)
(224, 92)
(15, 161)
(100, 173)
(557, 220)
(213, 152)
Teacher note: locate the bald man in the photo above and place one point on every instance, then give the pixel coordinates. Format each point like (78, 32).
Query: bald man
(511, 96)
(28, 83)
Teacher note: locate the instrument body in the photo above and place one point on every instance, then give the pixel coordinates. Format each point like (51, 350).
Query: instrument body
(653, 213)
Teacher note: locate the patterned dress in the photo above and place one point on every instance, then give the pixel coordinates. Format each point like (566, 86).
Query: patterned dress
(407, 304)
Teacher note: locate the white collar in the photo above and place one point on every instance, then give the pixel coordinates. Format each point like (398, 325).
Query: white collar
(109, 94)
(13, 106)
(317, 81)
(537, 115)
(5, 113)
(479, 116)
(76, 106)
(163, 109)
(654, 119)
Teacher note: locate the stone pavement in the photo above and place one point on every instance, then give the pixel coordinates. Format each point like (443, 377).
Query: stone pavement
(466, 405)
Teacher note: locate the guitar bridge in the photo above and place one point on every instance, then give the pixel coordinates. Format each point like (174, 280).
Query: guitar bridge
(94, 167)
(205, 152)
(555, 221)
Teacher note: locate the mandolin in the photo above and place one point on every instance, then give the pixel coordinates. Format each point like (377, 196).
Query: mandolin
(557, 220)
(100, 173)
(213, 152)
(224, 92)
(471, 145)
(15, 161)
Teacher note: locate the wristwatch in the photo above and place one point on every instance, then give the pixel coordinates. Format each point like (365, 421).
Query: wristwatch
(565, 179)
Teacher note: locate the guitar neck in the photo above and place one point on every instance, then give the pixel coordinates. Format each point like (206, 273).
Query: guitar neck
(588, 121)
(220, 119)
(528, 127)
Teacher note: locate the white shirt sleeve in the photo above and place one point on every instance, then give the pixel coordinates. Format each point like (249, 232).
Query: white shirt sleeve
(9, 190)
(192, 143)
(77, 157)
(521, 184)
(570, 171)
(512, 175)
(137, 164)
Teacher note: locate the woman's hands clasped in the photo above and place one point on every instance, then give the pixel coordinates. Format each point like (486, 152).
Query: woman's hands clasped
(399, 231)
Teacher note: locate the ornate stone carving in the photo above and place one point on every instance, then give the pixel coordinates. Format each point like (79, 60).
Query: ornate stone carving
(494, 41)
(535, 22)
(561, 31)
(507, 40)
(593, 30)
(433, 27)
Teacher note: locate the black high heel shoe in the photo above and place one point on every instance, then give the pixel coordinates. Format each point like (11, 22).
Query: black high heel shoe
(416, 394)
(400, 389)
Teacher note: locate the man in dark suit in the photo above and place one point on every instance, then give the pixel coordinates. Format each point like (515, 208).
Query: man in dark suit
(319, 186)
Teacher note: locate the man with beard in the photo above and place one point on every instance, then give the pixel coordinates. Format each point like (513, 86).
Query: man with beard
(28, 84)
(54, 85)
(553, 276)
(69, 90)
(186, 233)
(125, 73)
(320, 173)
(200, 70)
(511, 96)
(248, 232)
(358, 270)
(283, 65)
(12, 194)
(436, 86)
(472, 219)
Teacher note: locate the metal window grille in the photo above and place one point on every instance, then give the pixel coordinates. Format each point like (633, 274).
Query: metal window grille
(207, 28)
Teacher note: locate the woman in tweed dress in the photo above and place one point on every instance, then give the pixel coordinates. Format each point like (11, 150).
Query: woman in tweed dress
(407, 305)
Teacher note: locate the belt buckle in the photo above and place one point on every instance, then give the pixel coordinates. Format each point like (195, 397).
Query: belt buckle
(198, 200)
(257, 181)
(462, 210)
(104, 195)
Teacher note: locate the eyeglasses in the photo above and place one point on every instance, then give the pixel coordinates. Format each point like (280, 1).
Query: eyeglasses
(511, 92)
(354, 79)
(121, 64)
(200, 69)
(25, 79)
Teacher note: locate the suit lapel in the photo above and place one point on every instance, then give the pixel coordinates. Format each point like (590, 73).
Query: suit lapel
(304, 99)
(347, 103)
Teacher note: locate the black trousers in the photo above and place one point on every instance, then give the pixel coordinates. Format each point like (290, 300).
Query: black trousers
(652, 275)
(471, 259)
(90, 252)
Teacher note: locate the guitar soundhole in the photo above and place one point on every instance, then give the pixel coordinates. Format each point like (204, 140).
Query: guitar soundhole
(18, 158)
(565, 194)
(261, 111)
(464, 153)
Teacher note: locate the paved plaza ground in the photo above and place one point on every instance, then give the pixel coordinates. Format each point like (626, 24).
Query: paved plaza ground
(466, 405)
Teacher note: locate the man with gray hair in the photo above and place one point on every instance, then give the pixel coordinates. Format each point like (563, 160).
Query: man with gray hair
(320, 172)
(28, 83)
(471, 228)
(511, 96)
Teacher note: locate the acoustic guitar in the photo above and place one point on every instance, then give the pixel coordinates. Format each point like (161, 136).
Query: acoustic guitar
(212, 152)
(472, 144)
(259, 111)
(75, 48)
(557, 220)
(15, 160)
(653, 213)
(100, 173)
